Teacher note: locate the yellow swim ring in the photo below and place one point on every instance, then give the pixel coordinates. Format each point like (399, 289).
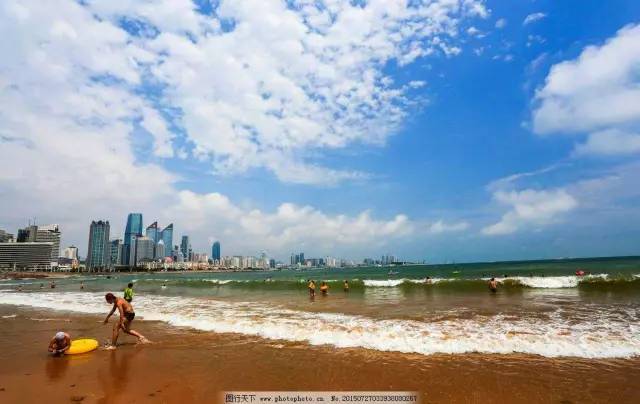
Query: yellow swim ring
(79, 346)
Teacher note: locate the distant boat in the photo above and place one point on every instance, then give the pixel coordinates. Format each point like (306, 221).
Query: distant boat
(393, 273)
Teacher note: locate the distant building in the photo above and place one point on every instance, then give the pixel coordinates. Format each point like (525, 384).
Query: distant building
(6, 237)
(99, 250)
(160, 250)
(132, 231)
(70, 252)
(167, 237)
(185, 248)
(115, 252)
(144, 249)
(42, 234)
(215, 251)
(26, 256)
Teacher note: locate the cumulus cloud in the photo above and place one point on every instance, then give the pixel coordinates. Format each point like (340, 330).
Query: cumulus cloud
(531, 18)
(96, 95)
(598, 90)
(530, 208)
(501, 23)
(440, 227)
(609, 142)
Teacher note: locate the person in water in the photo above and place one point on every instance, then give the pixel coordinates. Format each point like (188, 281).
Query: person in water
(493, 285)
(52, 284)
(312, 288)
(126, 317)
(128, 292)
(81, 285)
(324, 288)
(427, 280)
(60, 343)
(346, 285)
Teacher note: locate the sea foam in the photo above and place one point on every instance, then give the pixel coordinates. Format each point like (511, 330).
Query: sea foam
(610, 334)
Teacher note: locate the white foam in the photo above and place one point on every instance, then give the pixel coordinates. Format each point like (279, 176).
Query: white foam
(10, 316)
(383, 283)
(552, 282)
(610, 334)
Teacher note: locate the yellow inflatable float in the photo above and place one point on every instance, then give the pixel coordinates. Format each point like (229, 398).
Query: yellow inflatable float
(80, 346)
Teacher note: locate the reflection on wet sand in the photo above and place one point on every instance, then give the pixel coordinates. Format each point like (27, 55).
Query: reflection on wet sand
(116, 377)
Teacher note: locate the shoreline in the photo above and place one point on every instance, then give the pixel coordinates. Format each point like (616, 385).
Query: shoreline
(195, 366)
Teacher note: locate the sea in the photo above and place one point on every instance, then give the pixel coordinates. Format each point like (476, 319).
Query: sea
(540, 308)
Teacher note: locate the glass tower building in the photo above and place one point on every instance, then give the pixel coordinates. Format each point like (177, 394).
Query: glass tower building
(185, 247)
(167, 238)
(215, 251)
(132, 231)
(99, 250)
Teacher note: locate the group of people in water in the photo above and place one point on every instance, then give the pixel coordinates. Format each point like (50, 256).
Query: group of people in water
(324, 288)
(61, 342)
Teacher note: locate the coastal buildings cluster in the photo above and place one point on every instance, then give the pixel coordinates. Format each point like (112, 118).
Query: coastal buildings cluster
(37, 248)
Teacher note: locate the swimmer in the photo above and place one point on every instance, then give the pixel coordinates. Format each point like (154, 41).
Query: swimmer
(324, 288)
(493, 285)
(312, 288)
(52, 285)
(126, 318)
(81, 285)
(427, 281)
(128, 292)
(60, 343)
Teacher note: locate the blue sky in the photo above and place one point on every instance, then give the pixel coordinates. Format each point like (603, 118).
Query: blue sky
(442, 130)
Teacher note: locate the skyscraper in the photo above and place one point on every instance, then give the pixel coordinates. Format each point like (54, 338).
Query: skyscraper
(144, 249)
(132, 231)
(47, 234)
(160, 250)
(99, 250)
(116, 253)
(153, 234)
(167, 237)
(185, 247)
(215, 251)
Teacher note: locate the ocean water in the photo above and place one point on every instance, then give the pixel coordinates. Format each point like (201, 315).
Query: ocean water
(540, 308)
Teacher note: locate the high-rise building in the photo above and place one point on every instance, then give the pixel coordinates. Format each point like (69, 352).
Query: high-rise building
(115, 252)
(144, 249)
(132, 231)
(70, 252)
(167, 237)
(5, 237)
(154, 234)
(185, 248)
(99, 250)
(42, 234)
(160, 250)
(215, 251)
(32, 256)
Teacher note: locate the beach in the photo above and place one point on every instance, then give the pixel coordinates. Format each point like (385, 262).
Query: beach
(545, 336)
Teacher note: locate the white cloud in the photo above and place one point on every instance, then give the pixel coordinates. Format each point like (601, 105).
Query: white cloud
(531, 18)
(530, 208)
(282, 84)
(609, 143)
(290, 226)
(440, 227)
(501, 23)
(598, 90)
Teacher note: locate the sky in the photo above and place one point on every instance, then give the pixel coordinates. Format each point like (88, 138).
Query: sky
(441, 130)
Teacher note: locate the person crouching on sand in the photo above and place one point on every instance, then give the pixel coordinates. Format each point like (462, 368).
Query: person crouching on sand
(126, 317)
(60, 343)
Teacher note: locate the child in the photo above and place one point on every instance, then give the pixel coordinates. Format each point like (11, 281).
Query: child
(60, 343)
(128, 292)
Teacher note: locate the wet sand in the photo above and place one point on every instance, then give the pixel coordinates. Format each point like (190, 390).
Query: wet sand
(190, 366)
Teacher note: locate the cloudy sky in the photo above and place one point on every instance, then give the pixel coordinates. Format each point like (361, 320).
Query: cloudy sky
(430, 129)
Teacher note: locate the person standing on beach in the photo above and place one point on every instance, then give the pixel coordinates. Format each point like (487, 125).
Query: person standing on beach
(493, 285)
(60, 343)
(312, 288)
(126, 317)
(128, 292)
(346, 286)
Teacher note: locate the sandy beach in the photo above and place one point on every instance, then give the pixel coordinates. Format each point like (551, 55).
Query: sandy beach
(185, 365)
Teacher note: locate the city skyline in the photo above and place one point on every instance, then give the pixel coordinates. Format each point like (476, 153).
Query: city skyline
(483, 132)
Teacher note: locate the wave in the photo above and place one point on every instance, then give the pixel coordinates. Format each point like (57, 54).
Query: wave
(588, 282)
(610, 334)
